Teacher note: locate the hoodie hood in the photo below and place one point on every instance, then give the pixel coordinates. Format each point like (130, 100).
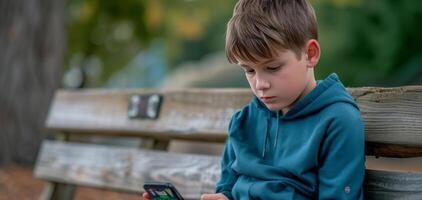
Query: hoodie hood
(326, 93)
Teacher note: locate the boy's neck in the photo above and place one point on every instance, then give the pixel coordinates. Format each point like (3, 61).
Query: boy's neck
(309, 87)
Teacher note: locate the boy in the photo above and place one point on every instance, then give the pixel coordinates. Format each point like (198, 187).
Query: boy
(298, 138)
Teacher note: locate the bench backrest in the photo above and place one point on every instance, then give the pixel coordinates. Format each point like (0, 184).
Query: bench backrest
(393, 116)
(393, 128)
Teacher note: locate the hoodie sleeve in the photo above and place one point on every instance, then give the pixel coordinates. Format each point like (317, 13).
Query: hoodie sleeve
(342, 157)
(228, 176)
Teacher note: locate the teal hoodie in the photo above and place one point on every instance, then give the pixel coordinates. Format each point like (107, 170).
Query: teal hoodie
(314, 151)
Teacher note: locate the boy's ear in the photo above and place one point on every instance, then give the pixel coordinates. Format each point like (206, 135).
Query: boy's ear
(313, 52)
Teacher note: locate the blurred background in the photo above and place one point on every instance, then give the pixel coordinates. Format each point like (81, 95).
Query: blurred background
(148, 43)
(50, 44)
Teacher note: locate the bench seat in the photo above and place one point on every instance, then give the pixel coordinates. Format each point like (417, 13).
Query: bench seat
(126, 169)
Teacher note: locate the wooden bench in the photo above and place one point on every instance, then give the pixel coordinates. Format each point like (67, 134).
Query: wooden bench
(393, 126)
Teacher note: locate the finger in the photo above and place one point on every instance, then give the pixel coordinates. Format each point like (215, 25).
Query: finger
(146, 196)
(211, 197)
(203, 197)
(206, 197)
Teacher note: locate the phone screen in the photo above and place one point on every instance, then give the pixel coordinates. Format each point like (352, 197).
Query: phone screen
(165, 194)
(162, 191)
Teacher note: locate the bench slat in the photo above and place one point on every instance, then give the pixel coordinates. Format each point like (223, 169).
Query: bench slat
(391, 115)
(126, 169)
(194, 114)
(392, 185)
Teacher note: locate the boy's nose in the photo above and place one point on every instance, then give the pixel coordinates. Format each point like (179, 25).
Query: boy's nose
(262, 84)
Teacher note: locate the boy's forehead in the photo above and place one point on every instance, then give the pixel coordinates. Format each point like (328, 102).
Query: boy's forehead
(262, 61)
(277, 56)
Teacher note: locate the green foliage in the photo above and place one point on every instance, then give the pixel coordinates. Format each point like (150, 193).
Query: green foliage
(116, 31)
(372, 42)
(111, 30)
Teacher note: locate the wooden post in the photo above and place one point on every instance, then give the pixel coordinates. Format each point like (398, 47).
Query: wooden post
(58, 191)
(160, 144)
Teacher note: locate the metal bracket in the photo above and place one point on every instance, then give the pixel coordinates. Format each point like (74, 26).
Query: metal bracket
(144, 106)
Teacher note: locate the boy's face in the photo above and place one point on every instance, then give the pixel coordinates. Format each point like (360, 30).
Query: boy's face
(281, 81)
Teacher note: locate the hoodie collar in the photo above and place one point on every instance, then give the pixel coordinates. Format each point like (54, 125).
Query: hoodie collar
(300, 108)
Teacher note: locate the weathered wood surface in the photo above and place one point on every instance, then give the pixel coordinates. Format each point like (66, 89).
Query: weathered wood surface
(391, 115)
(126, 169)
(385, 185)
(185, 114)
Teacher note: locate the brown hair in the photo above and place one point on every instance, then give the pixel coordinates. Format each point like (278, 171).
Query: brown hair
(260, 28)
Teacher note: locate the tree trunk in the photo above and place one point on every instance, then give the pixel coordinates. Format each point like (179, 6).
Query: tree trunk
(32, 44)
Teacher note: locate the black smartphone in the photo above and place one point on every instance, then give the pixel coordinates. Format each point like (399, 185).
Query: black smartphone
(162, 191)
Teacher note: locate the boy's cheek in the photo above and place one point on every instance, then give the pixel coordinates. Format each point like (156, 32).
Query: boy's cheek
(251, 82)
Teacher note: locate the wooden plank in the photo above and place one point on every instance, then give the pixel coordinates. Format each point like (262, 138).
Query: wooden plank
(391, 115)
(185, 114)
(388, 185)
(125, 169)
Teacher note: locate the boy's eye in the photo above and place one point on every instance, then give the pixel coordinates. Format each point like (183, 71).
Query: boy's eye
(249, 71)
(273, 68)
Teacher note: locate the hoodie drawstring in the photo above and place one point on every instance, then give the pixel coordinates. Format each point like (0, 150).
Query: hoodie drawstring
(276, 133)
(265, 140)
(266, 135)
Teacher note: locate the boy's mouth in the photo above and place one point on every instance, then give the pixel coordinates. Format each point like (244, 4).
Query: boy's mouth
(267, 99)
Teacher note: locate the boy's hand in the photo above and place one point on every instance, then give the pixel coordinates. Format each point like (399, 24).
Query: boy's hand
(218, 196)
(145, 196)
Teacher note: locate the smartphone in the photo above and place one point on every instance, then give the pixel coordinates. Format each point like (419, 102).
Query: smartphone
(162, 191)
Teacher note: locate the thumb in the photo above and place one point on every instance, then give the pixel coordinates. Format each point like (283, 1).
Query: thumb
(213, 197)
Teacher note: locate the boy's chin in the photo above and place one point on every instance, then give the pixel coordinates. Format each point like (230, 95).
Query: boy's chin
(274, 107)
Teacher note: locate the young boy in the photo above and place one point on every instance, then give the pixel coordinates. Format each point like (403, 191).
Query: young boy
(298, 138)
